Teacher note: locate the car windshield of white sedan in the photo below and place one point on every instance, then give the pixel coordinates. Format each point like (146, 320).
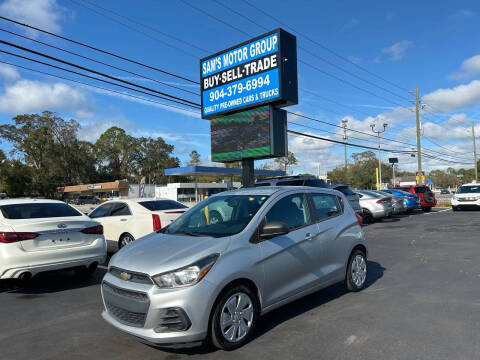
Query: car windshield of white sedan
(37, 210)
(218, 216)
(468, 189)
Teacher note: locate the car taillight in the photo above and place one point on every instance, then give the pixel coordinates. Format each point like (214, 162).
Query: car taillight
(382, 201)
(157, 224)
(11, 237)
(97, 230)
(359, 219)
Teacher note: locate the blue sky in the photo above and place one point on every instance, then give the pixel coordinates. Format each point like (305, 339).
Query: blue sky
(408, 43)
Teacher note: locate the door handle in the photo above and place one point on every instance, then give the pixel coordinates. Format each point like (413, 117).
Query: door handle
(123, 219)
(308, 236)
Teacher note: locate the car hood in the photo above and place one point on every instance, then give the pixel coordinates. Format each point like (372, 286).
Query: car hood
(158, 253)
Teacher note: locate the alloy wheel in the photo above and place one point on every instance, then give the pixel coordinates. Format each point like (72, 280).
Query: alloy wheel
(359, 270)
(236, 318)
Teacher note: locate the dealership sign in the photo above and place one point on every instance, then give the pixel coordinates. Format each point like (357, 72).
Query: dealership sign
(260, 71)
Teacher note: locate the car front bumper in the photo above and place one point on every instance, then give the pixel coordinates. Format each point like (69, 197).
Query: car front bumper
(15, 261)
(466, 203)
(194, 301)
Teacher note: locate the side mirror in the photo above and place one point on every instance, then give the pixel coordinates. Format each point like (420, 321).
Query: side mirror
(273, 228)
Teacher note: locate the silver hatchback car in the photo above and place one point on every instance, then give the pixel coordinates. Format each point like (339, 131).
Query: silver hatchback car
(231, 258)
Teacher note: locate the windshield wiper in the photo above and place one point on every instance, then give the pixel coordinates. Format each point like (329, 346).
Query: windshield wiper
(190, 234)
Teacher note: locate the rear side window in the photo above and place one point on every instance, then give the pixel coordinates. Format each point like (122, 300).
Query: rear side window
(421, 189)
(291, 183)
(326, 206)
(120, 209)
(37, 210)
(345, 190)
(316, 183)
(159, 205)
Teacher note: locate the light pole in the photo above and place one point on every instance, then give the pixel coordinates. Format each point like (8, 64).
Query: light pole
(344, 125)
(378, 132)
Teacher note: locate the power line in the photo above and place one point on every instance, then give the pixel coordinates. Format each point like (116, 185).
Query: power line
(98, 62)
(101, 51)
(342, 143)
(321, 58)
(324, 47)
(96, 72)
(136, 30)
(147, 26)
(99, 87)
(95, 78)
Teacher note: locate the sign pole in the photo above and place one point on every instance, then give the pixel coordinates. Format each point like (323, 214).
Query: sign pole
(247, 173)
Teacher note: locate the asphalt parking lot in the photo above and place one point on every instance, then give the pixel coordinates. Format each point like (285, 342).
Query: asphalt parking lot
(422, 301)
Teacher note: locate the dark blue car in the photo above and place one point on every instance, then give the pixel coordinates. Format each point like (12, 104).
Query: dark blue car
(411, 200)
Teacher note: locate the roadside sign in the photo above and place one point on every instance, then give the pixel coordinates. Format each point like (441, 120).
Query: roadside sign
(260, 71)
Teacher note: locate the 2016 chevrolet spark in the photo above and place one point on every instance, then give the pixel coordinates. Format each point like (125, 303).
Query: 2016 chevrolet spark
(231, 258)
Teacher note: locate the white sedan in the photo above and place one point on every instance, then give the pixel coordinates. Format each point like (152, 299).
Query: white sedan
(129, 219)
(44, 235)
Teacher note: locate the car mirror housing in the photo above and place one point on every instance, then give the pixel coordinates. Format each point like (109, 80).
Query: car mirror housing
(273, 228)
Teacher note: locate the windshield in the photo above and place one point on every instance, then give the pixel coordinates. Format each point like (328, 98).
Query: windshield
(468, 189)
(346, 190)
(218, 216)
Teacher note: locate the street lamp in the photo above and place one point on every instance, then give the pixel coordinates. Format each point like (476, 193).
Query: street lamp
(378, 132)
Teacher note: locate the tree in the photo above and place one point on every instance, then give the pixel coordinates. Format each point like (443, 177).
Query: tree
(155, 156)
(49, 145)
(118, 154)
(285, 162)
(194, 158)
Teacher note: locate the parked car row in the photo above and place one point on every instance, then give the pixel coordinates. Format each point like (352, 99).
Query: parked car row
(205, 273)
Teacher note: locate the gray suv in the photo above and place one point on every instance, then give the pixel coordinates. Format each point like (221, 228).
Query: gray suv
(211, 278)
(292, 181)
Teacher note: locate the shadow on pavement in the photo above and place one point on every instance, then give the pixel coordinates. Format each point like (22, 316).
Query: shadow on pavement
(294, 309)
(51, 282)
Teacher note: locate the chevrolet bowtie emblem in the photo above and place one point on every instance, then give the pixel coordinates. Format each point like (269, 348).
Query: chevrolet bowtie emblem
(125, 276)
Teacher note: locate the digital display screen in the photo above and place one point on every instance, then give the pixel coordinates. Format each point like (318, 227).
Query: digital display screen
(241, 135)
(250, 74)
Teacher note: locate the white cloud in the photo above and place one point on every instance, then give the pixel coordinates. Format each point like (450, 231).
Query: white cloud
(45, 14)
(455, 119)
(29, 95)
(469, 68)
(8, 72)
(397, 50)
(456, 98)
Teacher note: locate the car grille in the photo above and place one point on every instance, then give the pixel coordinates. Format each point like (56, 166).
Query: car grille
(134, 276)
(126, 293)
(127, 306)
(467, 199)
(128, 317)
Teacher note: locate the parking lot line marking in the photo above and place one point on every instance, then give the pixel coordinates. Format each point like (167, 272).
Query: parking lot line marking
(436, 212)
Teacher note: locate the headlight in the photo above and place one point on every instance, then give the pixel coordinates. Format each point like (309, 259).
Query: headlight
(186, 276)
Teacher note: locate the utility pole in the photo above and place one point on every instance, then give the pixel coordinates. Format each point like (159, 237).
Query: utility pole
(419, 146)
(378, 132)
(344, 125)
(474, 151)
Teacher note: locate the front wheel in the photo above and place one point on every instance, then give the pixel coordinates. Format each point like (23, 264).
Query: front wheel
(454, 208)
(234, 318)
(367, 216)
(427, 209)
(356, 271)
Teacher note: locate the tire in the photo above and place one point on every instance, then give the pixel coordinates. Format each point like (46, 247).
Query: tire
(368, 217)
(221, 314)
(125, 239)
(356, 282)
(427, 209)
(454, 208)
(409, 211)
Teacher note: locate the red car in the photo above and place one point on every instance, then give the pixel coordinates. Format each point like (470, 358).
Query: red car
(426, 196)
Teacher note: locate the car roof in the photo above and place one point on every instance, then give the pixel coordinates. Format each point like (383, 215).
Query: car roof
(29, 201)
(136, 200)
(471, 184)
(270, 190)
